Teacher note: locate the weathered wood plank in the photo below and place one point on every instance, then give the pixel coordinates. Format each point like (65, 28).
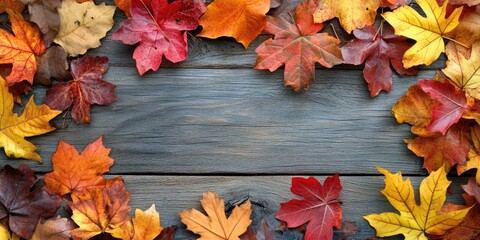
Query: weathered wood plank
(171, 194)
(241, 121)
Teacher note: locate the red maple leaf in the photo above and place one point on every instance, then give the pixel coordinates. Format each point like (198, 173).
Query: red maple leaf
(378, 51)
(86, 88)
(160, 28)
(298, 46)
(21, 204)
(320, 207)
(452, 104)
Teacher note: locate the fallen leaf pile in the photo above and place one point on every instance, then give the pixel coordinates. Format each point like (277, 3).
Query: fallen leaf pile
(46, 42)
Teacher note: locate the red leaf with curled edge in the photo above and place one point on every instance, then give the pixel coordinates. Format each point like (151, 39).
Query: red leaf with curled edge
(298, 46)
(378, 51)
(86, 88)
(160, 28)
(21, 204)
(452, 104)
(320, 207)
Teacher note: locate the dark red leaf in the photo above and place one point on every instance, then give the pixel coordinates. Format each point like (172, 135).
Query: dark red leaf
(167, 233)
(472, 189)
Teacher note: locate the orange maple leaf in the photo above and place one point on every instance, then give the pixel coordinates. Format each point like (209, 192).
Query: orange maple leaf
(73, 171)
(15, 5)
(100, 210)
(21, 48)
(243, 20)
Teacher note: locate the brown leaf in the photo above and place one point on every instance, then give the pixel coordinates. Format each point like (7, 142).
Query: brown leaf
(52, 64)
(54, 229)
(15, 5)
(44, 13)
(167, 233)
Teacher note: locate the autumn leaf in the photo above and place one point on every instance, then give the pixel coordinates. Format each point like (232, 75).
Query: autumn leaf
(34, 121)
(7, 235)
(392, 4)
(54, 229)
(216, 225)
(415, 221)
(464, 72)
(100, 210)
(264, 231)
(452, 104)
(428, 32)
(82, 25)
(15, 5)
(320, 207)
(21, 48)
(45, 14)
(415, 108)
(473, 155)
(466, 2)
(21, 203)
(352, 14)
(160, 28)
(86, 88)
(437, 149)
(52, 64)
(467, 32)
(243, 20)
(74, 172)
(125, 6)
(378, 51)
(298, 46)
(472, 188)
(167, 233)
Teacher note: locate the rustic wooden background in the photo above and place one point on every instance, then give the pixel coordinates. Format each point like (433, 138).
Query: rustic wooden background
(213, 123)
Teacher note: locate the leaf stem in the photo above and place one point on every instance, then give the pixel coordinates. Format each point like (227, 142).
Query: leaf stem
(334, 31)
(455, 41)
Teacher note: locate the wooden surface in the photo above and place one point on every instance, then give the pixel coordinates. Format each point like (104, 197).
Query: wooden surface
(213, 123)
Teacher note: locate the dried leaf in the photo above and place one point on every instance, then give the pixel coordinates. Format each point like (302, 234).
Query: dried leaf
(467, 30)
(21, 48)
(82, 25)
(473, 155)
(415, 221)
(243, 20)
(427, 31)
(52, 64)
(54, 229)
(167, 233)
(86, 88)
(216, 226)
(34, 121)
(125, 6)
(299, 47)
(45, 14)
(352, 14)
(15, 5)
(320, 207)
(74, 172)
(21, 203)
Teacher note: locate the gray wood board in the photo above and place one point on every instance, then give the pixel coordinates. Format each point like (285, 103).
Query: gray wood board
(172, 194)
(242, 121)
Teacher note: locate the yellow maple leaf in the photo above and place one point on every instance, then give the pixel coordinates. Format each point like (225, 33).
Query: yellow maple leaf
(473, 155)
(463, 71)
(144, 226)
(352, 14)
(13, 129)
(6, 235)
(428, 31)
(216, 226)
(82, 25)
(415, 220)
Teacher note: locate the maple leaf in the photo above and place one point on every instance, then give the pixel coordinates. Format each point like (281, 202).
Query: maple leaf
(243, 20)
(216, 226)
(167, 233)
(452, 104)
(352, 14)
(469, 228)
(144, 226)
(378, 51)
(73, 172)
(54, 229)
(100, 210)
(15, 5)
(466, 2)
(52, 64)
(462, 71)
(86, 88)
(160, 28)
(45, 14)
(473, 155)
(13, 129)
(298, 46)
(21, 48)
(21, 203)
(320, 207)
(415, 108)
(428, 32)
(414, 221)
(467, 30)
(392, 4)
(125, 6)
(437, 149)
(472, 188)
(82, 25)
